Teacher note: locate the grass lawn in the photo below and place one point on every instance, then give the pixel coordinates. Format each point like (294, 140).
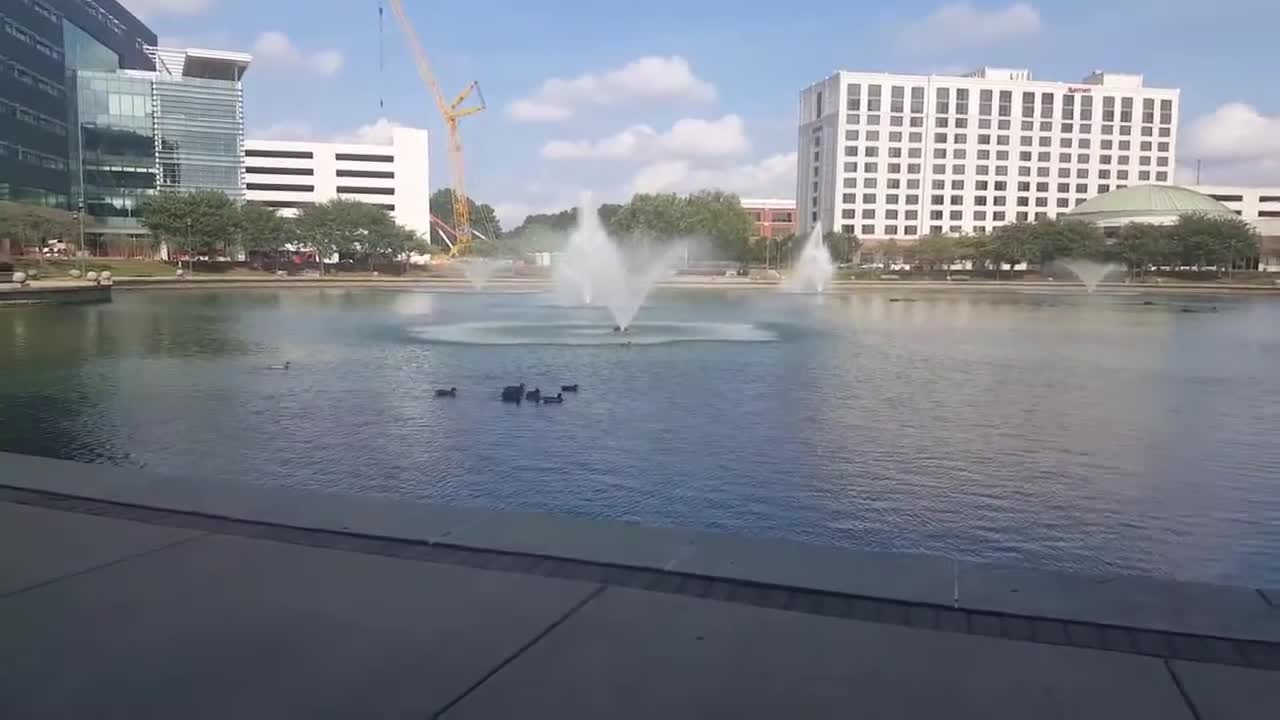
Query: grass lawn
(120, 267)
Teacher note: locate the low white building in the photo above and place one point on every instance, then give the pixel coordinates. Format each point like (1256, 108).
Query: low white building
(290, 175)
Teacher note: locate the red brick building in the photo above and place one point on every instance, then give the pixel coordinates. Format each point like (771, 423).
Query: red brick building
(772, 218)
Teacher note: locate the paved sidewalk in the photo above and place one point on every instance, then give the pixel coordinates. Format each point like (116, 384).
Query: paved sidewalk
(172, 615)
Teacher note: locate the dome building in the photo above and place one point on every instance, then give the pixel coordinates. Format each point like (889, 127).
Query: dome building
(1154, 204)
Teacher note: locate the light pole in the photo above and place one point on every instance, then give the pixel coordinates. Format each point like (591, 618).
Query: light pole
(80, 210)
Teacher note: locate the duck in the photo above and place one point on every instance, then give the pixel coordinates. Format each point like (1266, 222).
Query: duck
(534, 395)
(513, 393)
(569, 388)
(559, 398)
(284, 366)
(451, 392)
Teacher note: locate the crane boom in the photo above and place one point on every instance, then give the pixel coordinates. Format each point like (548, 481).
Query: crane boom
(451, 112)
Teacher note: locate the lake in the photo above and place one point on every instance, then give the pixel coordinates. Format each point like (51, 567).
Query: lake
(1058, 430)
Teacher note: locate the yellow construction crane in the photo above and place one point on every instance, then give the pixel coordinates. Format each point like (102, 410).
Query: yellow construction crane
(451, 112)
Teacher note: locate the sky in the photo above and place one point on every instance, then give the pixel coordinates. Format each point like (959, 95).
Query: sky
(658, 96)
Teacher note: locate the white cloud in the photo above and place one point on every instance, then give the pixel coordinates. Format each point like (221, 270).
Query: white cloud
(377, 132)
(152, 8)
(961, 25)
(646, 79)
(1237, 143)
(773, 176)
(687, 138)
(275, 48)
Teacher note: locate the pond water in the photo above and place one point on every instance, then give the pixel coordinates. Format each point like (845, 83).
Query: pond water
(1070, 431)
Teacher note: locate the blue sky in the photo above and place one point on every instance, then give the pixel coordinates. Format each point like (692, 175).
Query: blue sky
(666, 95)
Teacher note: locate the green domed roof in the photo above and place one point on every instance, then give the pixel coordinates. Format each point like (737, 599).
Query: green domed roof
(1147, 201)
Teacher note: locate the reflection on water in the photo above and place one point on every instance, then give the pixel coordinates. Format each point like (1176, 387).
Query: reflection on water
(1063, 430)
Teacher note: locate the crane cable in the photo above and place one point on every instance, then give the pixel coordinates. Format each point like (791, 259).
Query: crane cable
(382, 80)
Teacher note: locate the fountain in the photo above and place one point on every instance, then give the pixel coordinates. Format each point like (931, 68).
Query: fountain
(479, 270)
(814, 268)
(593, 269)
(1089, 272)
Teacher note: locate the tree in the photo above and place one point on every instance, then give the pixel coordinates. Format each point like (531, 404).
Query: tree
(889, 252)
(936, 249)
(1054, 239)
(719, 217)
(1140, 245)
(842, 246)
(1014, 243)
(263, 231)
(32, 224)
(659, 216)
(1209, 240)
(191, 222)
(350, 227)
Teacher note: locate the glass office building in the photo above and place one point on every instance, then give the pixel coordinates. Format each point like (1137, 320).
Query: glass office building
(42, 44)
(199, 133)
(115, 151)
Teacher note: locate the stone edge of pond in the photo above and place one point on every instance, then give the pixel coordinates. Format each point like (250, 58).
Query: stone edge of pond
(1128, 601)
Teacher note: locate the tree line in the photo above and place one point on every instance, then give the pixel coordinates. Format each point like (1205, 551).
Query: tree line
(1199, 241)
(713, 216)
(210, 223)
(32, 225)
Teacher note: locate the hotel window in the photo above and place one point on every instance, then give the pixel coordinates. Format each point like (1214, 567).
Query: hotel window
(1064, 172)
(1002, 140)
(939, 153)
(917, 100)
(895, 136)
(1028, 104)
(1024, 156)
(1149, 111)
(890, 229)
(1144, 160)
(1004, 124)
(895, 152)
(1064, 157)
(1086, 109)
(913, 168)
(957, 184)
(850, 151)
(1006, 103)
(849, 167)
(873, 136)
(962, 122)
(1046, 141)
(1067, 128)
(873, 98)
(1144, 175)
(868, 214)
(1108, 109)
(870, 183)
(915, 153)
(981, 185)
(1126, 110)
(891, 199)
(957, 169)
(849, 199)
(1082, 173)
(1064, 188)
(1164, 132)
(1162, 162)
(1084, 143)
(1068, 109)
(910, 229)
(939, 169)
(1104, 189)
(957, 199)
(891, 214)
(943, 106)
(913, 183)
(1082, 188)
(998, 216)
(1162, 177)
(1028, 125)
(1064, 142)
(1002, 155)
(1162, 147)
(912, 200)
(1046, 105)
(851, 135)
(893, 183)
(1022, 217)
(1086, 128)
(960, 154)
(1042, 187)
(1000, 201)
(895, 168)
(872, 151)
(942, 122)
(962, 101)
(980, 201)
(1166, 114)
(984, 124)
(870, 167)
(956, 215)
(960, 138)
(917, 121)
(935, 215)
(1104, 174)
(873, 119)
(897, 99)
(1042, 202)
(1064, 202)
(984, 103)
(868, 229)
(1122, 174)
(869, 198)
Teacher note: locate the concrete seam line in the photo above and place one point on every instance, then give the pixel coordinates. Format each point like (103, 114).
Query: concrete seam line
(103, 566)
(595, 593)
(1265, 597)
(1186, 697)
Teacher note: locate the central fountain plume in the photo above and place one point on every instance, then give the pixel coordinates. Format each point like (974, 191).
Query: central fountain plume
(479, 270)
(1090, 273)
(594, 270)
(814, 268)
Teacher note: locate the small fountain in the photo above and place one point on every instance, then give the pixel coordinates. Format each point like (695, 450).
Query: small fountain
(594, 270)
(814, 268)
(480, 270)
(1089, 272)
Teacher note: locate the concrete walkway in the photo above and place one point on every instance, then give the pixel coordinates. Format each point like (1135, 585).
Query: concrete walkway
(116, 603)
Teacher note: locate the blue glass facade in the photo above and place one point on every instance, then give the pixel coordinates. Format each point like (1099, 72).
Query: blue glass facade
(42, 44)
